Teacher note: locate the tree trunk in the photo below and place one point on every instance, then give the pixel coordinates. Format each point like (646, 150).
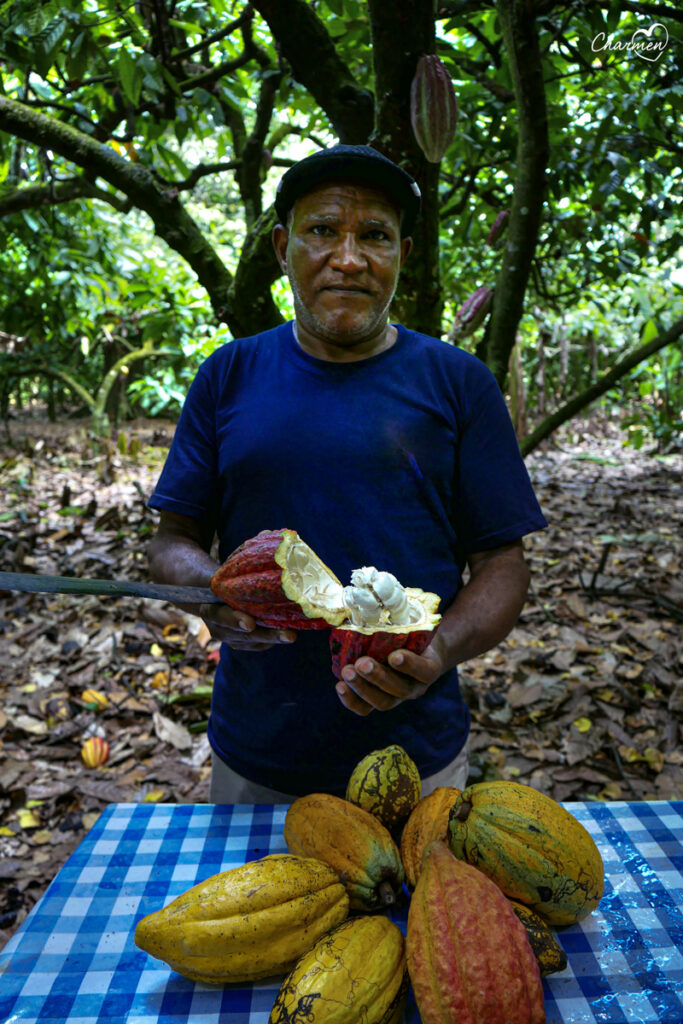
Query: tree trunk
(518, 26)
(401, 34)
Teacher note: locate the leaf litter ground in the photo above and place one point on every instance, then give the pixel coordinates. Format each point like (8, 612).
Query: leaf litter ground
(582, 701)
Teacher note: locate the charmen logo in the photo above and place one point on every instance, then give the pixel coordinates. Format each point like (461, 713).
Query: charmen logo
(647, 43)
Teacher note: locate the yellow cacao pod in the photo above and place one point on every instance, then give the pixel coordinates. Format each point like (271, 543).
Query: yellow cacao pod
(547, 950)
(387, 784)
(357, 972)
(246, 923)
(532, 848)
(353, 842)
(428, 821)
(469, 957)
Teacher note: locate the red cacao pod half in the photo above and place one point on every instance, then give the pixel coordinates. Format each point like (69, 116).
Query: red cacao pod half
(276, 577)
(433, 107)
(351, 641)
(469, 957)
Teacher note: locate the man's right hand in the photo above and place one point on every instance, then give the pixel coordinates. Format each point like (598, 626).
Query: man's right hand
(239, 630)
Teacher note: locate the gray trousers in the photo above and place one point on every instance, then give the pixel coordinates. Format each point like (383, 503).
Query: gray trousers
(227, 787)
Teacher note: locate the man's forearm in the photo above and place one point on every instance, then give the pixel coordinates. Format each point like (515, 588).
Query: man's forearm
(180, 561)
(485, 610)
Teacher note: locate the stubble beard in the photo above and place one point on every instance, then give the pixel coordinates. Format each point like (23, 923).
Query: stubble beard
(371, 325)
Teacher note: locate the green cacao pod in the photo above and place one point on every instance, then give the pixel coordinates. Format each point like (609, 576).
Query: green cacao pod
(433, 107)
(387, 784)
(469, 957)
(355, 973)
(354, 844)
(530, 846)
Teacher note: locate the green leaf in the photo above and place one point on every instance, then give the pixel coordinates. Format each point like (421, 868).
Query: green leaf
(130, 76)
(650, 331)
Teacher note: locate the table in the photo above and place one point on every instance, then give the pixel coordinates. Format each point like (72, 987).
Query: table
(73, 959)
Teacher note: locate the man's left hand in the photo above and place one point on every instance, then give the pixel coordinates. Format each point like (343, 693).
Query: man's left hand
(368, 686)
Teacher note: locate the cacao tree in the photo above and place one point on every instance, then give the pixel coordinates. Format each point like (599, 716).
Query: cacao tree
(178, 118)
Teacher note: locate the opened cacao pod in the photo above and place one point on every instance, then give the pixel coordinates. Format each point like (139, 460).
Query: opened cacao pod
(276, 577)
(354, 844)
(356, 973)
(246, 923)
(428, 821)
(469, 957)
(279, 580)
(530, 846)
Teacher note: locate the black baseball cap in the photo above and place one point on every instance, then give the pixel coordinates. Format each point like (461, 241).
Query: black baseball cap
(359, 165)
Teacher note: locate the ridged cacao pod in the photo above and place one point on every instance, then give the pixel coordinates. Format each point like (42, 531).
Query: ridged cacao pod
(433, 107)
(354, 844)
(530, 846)
(278, 578)
(498, 227)
(350, 642)
(547, 950)
(472, 313)
(428, 821)
(387, 784)
(469, 957)
(356, 973)
(95, 752)
(246, 923)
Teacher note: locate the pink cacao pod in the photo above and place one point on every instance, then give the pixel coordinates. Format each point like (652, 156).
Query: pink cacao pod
(469, 957)
(473, 312)
(433, 107)
(498, 227)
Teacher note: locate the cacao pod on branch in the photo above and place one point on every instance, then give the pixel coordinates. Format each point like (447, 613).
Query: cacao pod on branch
(433, 107)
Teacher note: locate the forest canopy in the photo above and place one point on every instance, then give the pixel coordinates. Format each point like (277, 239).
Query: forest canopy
(141, 143)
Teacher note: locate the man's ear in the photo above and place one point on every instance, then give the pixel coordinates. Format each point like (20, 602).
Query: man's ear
(280, 237)
(406, 247)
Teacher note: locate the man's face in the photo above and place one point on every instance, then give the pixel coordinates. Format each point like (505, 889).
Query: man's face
(342, 252)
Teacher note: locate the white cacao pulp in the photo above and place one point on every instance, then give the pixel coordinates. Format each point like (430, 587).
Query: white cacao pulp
(376, 598)
(374, 601)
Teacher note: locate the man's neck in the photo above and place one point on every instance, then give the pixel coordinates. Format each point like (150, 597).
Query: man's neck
(341, 353)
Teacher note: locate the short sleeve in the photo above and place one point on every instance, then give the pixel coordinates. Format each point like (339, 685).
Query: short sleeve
(495, 500)
(187, 484)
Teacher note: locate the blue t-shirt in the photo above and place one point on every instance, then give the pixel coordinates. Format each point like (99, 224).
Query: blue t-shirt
(407, 461)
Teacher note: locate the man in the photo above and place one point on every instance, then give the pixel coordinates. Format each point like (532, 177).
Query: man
(379, 446)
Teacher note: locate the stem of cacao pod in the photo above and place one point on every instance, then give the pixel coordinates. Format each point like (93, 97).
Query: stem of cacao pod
(387, 896)
(463, 811)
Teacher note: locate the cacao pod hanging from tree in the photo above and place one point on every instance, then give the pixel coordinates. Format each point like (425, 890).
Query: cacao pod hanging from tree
(433, 107)
(472, 313)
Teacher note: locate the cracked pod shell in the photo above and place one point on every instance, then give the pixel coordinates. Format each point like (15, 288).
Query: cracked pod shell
(349, 642)
(278, 578)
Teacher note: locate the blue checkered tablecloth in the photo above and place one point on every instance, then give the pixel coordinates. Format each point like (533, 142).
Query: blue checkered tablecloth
(74, 960)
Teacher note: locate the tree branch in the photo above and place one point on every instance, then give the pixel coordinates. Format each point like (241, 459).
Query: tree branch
(30, 197)
(306, 44)
(526, 71)
(603, 384)
(171, 220)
